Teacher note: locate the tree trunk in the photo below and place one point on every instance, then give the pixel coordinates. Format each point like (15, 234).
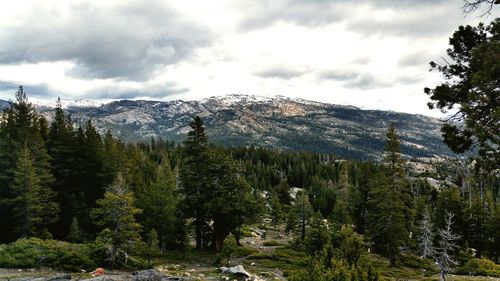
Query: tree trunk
(113, 256)
(303, 230)
(219, 234)
(392, 261)
(198, 233)
(237, 237)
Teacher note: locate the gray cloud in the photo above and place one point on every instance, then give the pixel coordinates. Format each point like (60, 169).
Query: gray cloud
(281, 72)
(418, 58)
(414, 18)
(354, 80)
(338, 75)
(364, 81)
(158, 91)
(127, 41)
(33, 90)
(301, 12)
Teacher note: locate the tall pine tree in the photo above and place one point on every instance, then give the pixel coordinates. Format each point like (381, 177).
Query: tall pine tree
(20, 128)
(390, 203)
(194, 178)
(33, 204)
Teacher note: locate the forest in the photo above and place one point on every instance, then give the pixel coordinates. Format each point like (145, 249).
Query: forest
(92, 200)
(74, 198)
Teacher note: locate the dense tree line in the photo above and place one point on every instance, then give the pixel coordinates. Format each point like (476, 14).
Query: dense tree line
(70, 182)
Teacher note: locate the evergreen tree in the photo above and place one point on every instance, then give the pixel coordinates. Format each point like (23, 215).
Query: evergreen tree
(230, 203)
(276, 210)
(19, 129)
(390, 203)
(62, 152)
(32, 204)
(341, 213)
(159, 203)
(471, 87)
(116, 211)
(494, 233)
(301, 212)
(152, 245)
(478, 215)
(74, 233)
(318, 235)
(193, 178)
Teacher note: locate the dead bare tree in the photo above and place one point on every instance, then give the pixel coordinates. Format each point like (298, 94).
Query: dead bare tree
(444, 253)
(473, 5)
(426, 236)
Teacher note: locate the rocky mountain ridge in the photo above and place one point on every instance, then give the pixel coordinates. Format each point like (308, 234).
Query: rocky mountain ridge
(279, 122)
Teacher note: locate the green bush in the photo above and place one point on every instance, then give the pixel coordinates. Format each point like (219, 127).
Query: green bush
(417, 262)
(483, 267)
(34, 252)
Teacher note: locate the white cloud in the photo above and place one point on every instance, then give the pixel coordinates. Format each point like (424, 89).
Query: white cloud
(371, 54)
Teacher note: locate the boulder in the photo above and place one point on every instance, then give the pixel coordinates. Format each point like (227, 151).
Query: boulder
(237, 270)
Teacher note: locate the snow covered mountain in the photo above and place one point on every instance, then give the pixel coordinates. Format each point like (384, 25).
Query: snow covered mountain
(280, 122)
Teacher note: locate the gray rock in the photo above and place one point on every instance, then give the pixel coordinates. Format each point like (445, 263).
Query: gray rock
(63, 277)
(238, 270)
(153, 275)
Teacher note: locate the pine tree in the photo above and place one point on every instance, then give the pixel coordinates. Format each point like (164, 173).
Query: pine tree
(317, 235)
(390, 202)
(116, 211)
(159, 204)
(74, 233)
(230, 202)
(276, 210)
(341, 214)
(194, 178)
(21, 128)
(33, 205)
(302, 212)
(494, 233)
(478, 215)
(152, 245)
(61, 149)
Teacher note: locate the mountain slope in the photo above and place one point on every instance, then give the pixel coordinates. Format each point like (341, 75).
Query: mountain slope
(280, 122)
(3, 104)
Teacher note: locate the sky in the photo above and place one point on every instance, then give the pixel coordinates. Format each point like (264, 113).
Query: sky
(370, 54)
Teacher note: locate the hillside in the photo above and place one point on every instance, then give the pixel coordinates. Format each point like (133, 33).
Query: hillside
(279, 122)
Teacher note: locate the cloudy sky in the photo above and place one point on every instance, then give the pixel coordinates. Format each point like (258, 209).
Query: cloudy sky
(371, 54)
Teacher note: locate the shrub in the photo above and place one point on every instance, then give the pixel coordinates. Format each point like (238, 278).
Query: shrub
(417, 262)
(34, 252)
(483, 267)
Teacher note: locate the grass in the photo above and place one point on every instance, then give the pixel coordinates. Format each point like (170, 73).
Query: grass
(271, 243)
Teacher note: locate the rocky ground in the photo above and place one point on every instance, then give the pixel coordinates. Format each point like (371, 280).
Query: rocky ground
(263, 258)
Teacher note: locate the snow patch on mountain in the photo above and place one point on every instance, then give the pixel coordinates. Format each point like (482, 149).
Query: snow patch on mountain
(81, 103)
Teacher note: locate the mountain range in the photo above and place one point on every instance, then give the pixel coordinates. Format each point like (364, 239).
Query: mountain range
(278, 122)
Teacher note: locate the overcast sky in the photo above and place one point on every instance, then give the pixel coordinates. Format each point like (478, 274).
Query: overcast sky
(370, 54)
